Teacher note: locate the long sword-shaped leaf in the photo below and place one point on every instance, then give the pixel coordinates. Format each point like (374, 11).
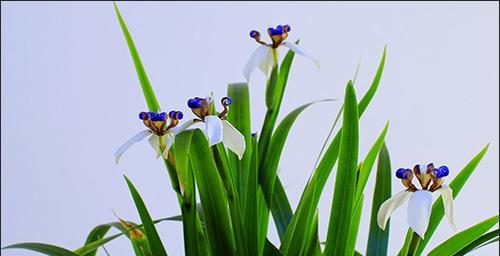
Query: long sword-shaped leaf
(239, 117)
(481, 241)
(213, 197)
(147, 90)
(312, 192)
(455, 243)
(437, 212)
(378, 239)
(154, 240)
(251, 209)
(281, 208)
(46, 249)
(345, 181)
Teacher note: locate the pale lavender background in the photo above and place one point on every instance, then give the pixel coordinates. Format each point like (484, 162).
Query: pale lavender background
(70, 97)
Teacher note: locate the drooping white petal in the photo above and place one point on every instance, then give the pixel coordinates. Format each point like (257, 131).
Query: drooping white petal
(386, 209)
(168, 139)
(136, 138)
(268, 62)
(257, 57)
(154, 141)
(233, 139)
(295, 48)
(419, 211)
(180, 128)
(447, 195)
(213, 129)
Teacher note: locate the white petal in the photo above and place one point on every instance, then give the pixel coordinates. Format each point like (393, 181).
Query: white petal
(386, 209)
(136, 138)
(257, 57)
(295, 48)
(267, 63)
(154, 141)
(213, 129)
(168, 140)
(419, 211)
(178, 129)
(233, 139)
(447, 195)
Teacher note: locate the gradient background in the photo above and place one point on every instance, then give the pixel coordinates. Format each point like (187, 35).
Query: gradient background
(70, 97)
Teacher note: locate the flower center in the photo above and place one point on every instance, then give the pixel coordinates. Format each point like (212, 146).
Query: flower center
(430, 178)
(203, 107)
(156, 122)
(277, 35)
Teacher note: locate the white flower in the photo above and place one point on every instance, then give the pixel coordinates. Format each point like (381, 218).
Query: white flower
(265, 57)
(161, 136)
(420, 204)
(217, 128)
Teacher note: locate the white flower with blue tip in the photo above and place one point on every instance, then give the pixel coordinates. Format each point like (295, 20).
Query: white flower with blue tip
(266, 56)
(419, 208)
(217, 128)
(161, 135)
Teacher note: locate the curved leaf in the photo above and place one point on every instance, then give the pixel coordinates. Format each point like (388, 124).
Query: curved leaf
(46, 249)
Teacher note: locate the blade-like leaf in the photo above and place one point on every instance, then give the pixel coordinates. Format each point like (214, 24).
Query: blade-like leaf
(345, 181)
(147, 90)
(280, 208)
(250, 210)
(239, 117)
(457, 242)
(353, 232)
(213, 198)
(149, 228)
(46, 249)
(481, 241)
(378, 239)
(310, 197)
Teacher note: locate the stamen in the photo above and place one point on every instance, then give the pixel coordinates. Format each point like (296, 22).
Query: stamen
(442, 171)
(144, 116)
(226, 102)
(195, 103)
(406, 176)
(255, 34)
(287, 28)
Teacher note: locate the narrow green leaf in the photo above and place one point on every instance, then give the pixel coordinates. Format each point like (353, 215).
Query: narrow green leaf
(368, 162)
(46, 249)
(99, 232)
(281, 208)
(186, 179)
(149, 228)
(274, 102)
(378, 239)
(345, 181)
(457, 242)
(312, 192)
(267, 175)
(312, 245)
(481, 241)
(251, 209)
(147, 90)
(213, 197)
(456, 185)
(270, 249)
(353, 231)
(239, 117)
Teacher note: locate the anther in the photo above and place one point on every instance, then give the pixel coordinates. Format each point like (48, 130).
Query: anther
(143, 116)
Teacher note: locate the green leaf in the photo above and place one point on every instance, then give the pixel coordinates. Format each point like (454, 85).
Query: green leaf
(98, 233)
(280, 208)
(267, 175)
(273, 102)
(147, 90)
(213, 198)
(251, 214)
(239, 117)
(368, 162)
(480, 242)
(457, 242)
(149, 228)
(456, 185)
(310, 197)
(378, 239)
(46, 249)
(312, 245)
(345, 181)
(353, 232)
(270, 249)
